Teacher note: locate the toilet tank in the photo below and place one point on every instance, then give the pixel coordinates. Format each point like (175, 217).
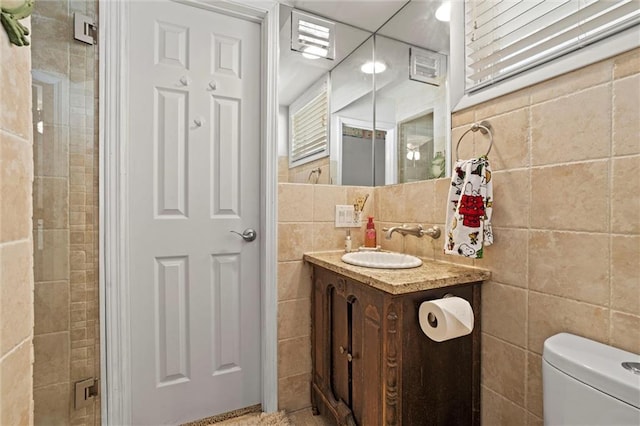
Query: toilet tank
(585, 384)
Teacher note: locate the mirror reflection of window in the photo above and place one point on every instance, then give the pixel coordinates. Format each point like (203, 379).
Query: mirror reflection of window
(308, 124)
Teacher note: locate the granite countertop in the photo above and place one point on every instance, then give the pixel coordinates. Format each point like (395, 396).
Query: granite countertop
(430, 275)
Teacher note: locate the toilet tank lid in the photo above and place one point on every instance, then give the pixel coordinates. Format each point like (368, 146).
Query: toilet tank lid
(596, 364)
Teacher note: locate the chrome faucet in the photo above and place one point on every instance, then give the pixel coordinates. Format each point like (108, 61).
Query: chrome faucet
(415, 230)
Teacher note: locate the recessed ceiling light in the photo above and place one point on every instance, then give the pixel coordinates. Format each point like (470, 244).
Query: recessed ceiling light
(443, 13)
(371, 67)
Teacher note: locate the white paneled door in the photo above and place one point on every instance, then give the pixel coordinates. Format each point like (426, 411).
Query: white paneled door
(194, 170)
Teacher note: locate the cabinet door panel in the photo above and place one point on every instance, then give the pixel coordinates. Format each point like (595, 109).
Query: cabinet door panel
(339, 347)
(370, 367)
(356, 350)
(320, 333)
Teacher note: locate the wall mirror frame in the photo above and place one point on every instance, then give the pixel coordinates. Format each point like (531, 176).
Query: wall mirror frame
(411, 113)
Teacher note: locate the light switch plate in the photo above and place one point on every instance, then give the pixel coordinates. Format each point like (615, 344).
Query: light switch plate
(346, 217)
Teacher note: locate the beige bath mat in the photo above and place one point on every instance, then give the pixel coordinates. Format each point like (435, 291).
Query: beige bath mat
(245, 416)
(271, 419)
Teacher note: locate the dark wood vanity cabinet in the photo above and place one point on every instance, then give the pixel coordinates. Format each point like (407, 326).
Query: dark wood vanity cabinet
(372, 364)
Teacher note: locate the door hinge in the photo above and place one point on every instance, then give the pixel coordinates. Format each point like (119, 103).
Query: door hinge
(86, 391)
(85, 29)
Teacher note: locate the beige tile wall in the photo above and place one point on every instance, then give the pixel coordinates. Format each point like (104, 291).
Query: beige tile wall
(566, 222)
(16, 246)
(65, 200)
(305, 223)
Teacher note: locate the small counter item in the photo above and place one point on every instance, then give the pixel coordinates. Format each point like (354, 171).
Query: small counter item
(370, 234)
(347, 242)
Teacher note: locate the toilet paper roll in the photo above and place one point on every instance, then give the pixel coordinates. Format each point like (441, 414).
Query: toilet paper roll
(445, 319)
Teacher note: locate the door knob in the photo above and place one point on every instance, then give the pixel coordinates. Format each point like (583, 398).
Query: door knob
(247, 235)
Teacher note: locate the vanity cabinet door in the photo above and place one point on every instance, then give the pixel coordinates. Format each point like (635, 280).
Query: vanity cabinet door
(340, 346)
(366, 343)
(331, 336)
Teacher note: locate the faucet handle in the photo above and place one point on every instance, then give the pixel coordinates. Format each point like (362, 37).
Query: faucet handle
(433, 232)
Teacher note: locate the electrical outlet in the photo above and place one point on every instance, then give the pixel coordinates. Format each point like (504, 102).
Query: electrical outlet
(346, 217)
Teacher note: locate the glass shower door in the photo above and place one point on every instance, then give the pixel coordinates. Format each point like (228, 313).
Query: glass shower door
(65, 214)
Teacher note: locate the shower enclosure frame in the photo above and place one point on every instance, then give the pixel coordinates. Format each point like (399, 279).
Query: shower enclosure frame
(114, 309)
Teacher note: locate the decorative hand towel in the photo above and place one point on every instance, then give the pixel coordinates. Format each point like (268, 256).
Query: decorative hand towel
(469, 208)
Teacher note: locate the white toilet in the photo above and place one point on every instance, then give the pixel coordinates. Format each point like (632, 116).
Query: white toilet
(585, 383)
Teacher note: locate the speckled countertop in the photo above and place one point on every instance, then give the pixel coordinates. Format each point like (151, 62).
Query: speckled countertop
(430, 275)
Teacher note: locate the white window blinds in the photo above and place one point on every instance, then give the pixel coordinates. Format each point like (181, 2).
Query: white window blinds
(308, 125)
(507, 37)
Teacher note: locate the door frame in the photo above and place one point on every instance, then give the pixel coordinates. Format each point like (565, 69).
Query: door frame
(115, 315)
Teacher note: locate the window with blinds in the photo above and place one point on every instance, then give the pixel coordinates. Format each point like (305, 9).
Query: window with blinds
(507, 37)
(308, 128)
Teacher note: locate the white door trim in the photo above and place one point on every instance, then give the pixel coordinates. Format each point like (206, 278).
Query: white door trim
(114, 283)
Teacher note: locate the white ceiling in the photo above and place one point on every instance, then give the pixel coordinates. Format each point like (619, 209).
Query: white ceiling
(366, 14)
(416, 24)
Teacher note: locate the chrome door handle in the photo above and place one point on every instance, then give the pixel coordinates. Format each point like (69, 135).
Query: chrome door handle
(248, 234)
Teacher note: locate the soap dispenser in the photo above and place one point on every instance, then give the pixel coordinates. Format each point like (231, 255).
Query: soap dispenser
(370, 234)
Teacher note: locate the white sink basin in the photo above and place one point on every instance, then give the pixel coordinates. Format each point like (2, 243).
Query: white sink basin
(382, 260)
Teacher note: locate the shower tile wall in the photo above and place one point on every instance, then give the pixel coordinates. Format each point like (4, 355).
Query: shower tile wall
(65, 199)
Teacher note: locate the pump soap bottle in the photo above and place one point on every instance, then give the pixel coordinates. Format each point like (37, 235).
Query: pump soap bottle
(370, 234)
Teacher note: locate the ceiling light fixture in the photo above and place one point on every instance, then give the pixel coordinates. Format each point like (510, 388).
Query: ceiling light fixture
(371, 67)
(413, 153)
(443, 13)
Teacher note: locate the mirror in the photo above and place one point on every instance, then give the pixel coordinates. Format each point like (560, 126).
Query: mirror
(412, 117)
(411, 98)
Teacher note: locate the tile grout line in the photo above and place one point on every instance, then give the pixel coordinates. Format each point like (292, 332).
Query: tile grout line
(16, 347)
(527, 255)
(610, 188)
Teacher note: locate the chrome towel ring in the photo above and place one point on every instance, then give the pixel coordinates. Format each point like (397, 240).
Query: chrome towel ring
(485, 128)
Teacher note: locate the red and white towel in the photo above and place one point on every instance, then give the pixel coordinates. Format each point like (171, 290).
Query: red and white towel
(469, 207)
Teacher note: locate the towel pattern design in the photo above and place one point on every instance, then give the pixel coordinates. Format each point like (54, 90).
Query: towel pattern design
(469, 208)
